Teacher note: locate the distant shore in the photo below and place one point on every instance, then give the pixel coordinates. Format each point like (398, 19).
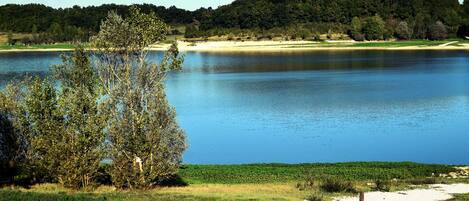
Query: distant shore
(277, 46)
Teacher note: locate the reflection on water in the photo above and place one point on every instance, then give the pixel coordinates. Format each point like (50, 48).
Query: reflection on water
(313, 107)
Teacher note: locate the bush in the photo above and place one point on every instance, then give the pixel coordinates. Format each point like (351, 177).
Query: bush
(374, 28)
(463, 31)
(359, 37)
(424, 181)
(403, 31)
(382, 185)
(334, 185)
(438, 31)
(308, 184)
(315, 197)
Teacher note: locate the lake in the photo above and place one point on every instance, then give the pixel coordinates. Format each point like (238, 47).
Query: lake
(313, 106)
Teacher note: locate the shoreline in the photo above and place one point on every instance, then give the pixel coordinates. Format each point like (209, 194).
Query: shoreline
(283, 46)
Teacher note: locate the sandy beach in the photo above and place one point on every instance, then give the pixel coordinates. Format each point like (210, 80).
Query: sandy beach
(273, 46)
(290, 46)
(437, 192)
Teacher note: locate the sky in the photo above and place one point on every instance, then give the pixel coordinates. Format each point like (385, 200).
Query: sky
(185, 4)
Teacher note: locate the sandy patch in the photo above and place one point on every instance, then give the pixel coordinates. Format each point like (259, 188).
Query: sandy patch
(437, 192)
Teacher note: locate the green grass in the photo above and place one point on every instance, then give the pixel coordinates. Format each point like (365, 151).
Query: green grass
(401, 43)
(460, 197)
(275, 173)
(243, 182)
(48, 46)
(386, 44)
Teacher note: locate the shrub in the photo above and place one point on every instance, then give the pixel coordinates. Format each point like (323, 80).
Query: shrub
(463, 31)
(438, 31)
(403, 31)
(334, 185)
(315, 197)
(307, 184)
(374, 28)
(423, 181)
(382, 185)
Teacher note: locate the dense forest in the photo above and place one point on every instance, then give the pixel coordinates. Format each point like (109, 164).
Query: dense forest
(360, 19)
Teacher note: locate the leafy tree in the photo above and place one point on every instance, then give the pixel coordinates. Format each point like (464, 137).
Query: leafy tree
(374, 28)
(403, 31)
(463, 31)
(421, 26)
(10, 40)
(13, 131)
(438, 31)
(46, 145)
(146, 143)
(83, 137)
(356, 28)
(55, 31)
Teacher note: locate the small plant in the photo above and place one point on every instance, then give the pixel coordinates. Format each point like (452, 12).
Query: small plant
(423, 181)
(334, 185)
(308, 184)
(315, 197)
(382, 185)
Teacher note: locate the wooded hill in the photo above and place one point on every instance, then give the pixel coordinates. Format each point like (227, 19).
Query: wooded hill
(295, 18)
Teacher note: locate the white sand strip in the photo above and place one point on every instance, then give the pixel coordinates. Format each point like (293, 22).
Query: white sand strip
(437, 192)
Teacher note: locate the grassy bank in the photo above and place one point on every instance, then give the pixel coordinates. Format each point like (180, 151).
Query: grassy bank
(37, 47)
(245, 182)
(280, 173)
(460, 197)
(274, 45)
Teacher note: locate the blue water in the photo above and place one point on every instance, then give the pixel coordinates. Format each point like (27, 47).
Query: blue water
(312, 107)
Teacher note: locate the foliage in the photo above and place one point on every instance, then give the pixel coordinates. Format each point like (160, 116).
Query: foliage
(77, 23)
(403, 31)
(422, 181)
(336, 185)
(374, 28)
(382, 185)
(271, 173)
(59, 134)
(82, 135)
(463, 31)
(356, 29)
(315, 197)
(460, 197)
(46, 128)
(438, 31)
(146, 144)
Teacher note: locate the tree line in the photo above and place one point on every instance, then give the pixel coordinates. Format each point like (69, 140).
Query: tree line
(102, 117)
(419, 19)
(300, 18)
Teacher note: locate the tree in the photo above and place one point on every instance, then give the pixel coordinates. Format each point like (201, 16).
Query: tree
(146, 143)
(83, 136)
(10, 39)
(403, 31)
(463, 32)
(55, 31)
(356, 29)
(13, 130)
(8, 141)
(438, 31)
(46, 128)
(374, 28)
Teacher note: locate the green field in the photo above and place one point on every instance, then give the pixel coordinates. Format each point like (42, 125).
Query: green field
(32, 47)
(245, 182)
(387, 44)
(312, 45)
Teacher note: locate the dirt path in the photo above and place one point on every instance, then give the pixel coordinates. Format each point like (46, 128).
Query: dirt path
(437, 192)
(446, 44)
